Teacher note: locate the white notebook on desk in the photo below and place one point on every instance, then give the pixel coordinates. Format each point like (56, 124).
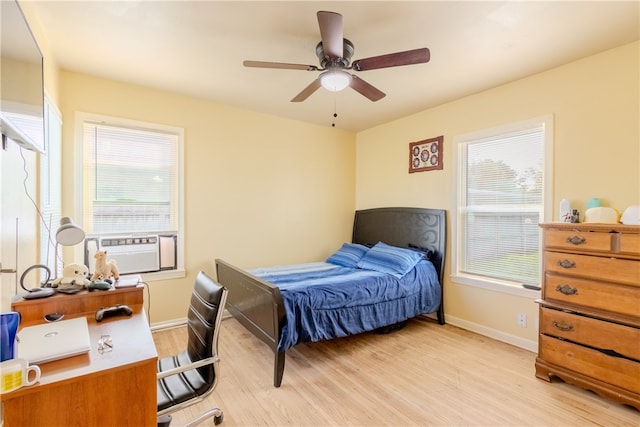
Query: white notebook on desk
(52, 341)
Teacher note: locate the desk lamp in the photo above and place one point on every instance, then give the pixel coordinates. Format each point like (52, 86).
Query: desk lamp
(68, 234)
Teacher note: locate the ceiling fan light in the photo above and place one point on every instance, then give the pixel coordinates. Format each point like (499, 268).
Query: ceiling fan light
(335, 80)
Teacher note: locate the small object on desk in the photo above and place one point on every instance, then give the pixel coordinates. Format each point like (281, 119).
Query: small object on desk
(105, 344)
(101, 285)
(116, 310)
(36, 293)
(52, 341)
(53, 317)
(127, 281)
(104, 268)
(17, 373)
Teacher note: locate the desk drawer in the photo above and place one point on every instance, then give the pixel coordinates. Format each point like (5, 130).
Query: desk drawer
(612, 370)
(610, 269)
(577, 240)
(611, 297)
(600, 334)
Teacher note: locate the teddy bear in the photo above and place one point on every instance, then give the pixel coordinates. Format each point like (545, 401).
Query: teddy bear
(74, 277)
(104, 269)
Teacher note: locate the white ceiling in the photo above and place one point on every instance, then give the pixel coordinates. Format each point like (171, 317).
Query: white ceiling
(197, 48)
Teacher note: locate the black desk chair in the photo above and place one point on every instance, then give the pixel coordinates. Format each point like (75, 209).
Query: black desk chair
(189, 377)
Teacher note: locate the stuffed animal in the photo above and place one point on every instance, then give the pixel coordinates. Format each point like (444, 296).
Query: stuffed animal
(74, 277)
(105, 269)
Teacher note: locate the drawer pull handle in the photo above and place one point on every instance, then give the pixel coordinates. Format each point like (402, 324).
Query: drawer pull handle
(576, 240)
(565, 263)
(567, 290)
(565, 327)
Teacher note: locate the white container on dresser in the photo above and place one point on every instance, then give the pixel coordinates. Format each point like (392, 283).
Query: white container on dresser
(590, 309)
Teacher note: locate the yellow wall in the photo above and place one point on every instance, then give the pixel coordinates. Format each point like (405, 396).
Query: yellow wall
(595, 104)
(259, 190)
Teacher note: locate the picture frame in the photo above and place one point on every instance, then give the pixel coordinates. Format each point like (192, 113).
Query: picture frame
(426, 155)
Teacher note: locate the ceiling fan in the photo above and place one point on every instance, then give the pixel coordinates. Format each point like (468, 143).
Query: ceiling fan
(334, 53)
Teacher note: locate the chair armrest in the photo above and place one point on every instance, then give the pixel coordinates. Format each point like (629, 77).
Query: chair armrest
(189, 367)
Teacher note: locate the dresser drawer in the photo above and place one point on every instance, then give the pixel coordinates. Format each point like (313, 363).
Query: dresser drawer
(600, 334)
(604, 268)
(577, 240)
(629, 244)
(617, 371)
(611, 297)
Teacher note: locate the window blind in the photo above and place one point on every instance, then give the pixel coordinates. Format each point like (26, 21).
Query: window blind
(130, 179)
(501, 205)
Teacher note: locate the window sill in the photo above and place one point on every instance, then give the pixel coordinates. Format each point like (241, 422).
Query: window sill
(503, 287)
(163, 275)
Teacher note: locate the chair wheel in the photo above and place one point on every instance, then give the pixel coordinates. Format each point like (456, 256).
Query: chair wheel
(218, 419)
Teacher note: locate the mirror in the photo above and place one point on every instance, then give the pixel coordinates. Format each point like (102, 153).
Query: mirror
(21, 81)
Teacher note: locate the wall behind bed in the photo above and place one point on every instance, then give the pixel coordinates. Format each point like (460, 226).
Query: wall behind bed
(259, 190)
(595, 103)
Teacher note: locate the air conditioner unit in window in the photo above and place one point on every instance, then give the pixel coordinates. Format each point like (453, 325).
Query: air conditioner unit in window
(132, 254)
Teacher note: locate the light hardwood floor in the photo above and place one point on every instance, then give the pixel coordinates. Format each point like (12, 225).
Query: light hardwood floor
(422, 375)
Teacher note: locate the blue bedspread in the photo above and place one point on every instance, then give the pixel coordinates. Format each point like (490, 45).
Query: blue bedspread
(324, 301)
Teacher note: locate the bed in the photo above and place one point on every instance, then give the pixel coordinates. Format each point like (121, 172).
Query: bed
(273, 312)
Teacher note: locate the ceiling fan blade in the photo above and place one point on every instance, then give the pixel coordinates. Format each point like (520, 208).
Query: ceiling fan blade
(331, 33)
(409, 57)
(281, 65)
(366, 89)
(307, 91)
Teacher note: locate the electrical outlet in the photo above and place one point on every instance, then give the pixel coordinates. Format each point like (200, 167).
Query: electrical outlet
(522, 320)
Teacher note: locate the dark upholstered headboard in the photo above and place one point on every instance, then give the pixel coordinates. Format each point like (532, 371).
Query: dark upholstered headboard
(425, 228)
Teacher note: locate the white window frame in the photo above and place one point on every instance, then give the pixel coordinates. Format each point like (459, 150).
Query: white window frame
(79, 120)
(459, 142)
(51, 187)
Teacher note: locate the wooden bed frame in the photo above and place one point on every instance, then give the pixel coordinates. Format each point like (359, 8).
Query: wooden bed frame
(257, 304)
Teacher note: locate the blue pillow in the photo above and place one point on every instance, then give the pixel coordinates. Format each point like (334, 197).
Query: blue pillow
(348, 255)
(390, 259)
(428, 253)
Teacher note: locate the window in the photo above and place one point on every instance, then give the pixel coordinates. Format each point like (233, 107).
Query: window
(132, 193)
(502, 196)
(51, 188)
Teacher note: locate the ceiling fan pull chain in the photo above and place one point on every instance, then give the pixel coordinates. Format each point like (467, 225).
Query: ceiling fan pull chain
(335, 113)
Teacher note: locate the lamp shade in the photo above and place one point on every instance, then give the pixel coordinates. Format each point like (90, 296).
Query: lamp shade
(68, 233)
(335, 80)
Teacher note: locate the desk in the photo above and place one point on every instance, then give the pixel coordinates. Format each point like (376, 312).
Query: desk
(117, 388)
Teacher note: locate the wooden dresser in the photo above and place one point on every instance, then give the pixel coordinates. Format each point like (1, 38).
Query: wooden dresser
(590, 309)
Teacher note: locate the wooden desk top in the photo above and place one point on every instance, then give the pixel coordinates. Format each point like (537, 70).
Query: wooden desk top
(132, 345)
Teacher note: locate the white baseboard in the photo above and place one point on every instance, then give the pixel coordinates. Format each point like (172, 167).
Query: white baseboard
(452, 320)
(492, 333)
(168, 324)
(175, 323)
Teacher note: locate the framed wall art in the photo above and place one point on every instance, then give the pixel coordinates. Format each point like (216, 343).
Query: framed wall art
(426, 155)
